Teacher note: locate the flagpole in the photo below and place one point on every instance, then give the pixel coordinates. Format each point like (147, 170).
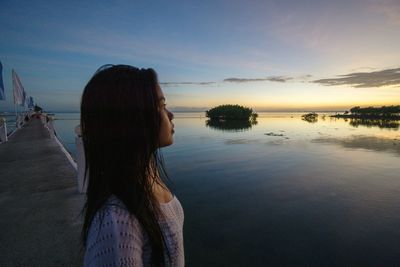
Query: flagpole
(19, 94)
(15, 104)
(15, 110)
(15, 107)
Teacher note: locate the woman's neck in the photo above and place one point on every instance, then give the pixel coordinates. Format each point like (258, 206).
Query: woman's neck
(160, 190)
(161, 193)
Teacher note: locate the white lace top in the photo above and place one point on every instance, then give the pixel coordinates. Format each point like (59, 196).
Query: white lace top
(122, 241)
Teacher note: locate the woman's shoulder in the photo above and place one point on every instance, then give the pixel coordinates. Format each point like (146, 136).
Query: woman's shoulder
(173, 211)
(114, 235)
(114, 204)
(114, 212)
(113, 221)
(114, 218)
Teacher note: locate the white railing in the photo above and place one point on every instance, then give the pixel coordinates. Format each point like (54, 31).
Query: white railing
(43, 118)
(79, 163)
(49, 123)
(3, 130)
(80, 160)
(21, 119)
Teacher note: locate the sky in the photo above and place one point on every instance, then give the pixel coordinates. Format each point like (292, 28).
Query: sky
(267, 55)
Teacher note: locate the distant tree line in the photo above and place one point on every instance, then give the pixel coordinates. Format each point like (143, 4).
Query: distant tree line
(379, 111)
(231, 112)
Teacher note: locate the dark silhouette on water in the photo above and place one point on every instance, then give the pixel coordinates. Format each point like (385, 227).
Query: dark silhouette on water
(310, 117)
(273, 134)
(36, 108)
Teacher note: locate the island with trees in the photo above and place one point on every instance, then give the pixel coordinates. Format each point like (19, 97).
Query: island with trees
(231, 112)
(231, 117)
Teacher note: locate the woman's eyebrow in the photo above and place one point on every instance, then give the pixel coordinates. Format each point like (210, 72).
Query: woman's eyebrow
(162, 98)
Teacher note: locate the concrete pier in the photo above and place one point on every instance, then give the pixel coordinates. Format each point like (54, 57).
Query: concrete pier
(39, 202)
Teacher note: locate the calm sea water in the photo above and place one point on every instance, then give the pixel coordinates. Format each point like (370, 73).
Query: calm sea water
(284, 191)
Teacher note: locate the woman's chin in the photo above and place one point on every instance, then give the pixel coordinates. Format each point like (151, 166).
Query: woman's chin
(167, 142)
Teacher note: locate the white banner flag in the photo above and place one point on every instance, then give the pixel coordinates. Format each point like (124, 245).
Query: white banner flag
(18, 89)
(31, 104)
(2, 94)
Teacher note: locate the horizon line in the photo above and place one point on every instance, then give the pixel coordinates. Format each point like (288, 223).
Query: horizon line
(204, 109)
(197, 111)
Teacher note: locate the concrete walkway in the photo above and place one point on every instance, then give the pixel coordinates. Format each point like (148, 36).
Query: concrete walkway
(39, 203)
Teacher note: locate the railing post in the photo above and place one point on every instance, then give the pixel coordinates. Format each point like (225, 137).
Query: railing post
(50, 125)
(3, 130)
(80, 160)
(43, 118)
(19, 122)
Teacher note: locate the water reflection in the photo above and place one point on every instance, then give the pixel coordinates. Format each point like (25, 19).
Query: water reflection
(383, 124)
(241, 141)
(374, 143)
(231, 125)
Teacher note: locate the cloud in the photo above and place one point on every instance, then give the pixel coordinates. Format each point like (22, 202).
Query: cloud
(271, 79)
(365, 79)
(281, 79)
(152, 50)
(390, 9)
(188, 109)
(167, 84)
(356, 79)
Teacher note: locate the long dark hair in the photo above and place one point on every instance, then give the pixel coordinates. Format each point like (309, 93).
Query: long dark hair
(120, 124)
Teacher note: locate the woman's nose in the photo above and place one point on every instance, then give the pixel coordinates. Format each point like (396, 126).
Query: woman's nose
(170, 115)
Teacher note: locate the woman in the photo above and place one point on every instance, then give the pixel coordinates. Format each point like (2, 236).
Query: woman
(131, 218)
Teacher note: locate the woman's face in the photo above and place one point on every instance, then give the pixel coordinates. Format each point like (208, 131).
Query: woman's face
(167, 127)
